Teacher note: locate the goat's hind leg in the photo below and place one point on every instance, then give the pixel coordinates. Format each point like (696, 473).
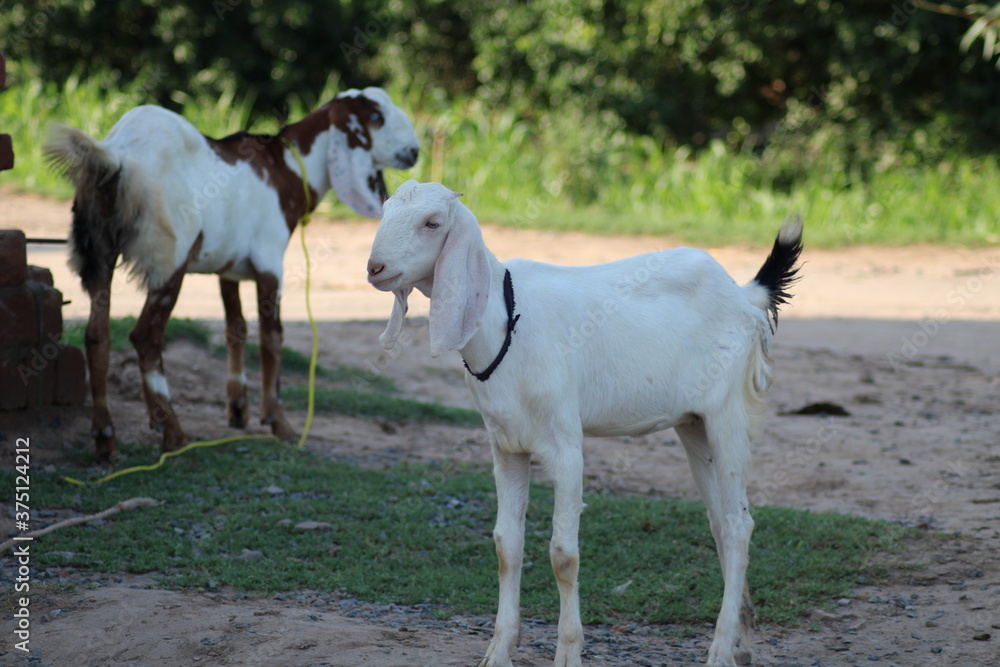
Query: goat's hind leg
(237, 407)
(271, 338)
(512, 473)
(97, 342)
(719, 463)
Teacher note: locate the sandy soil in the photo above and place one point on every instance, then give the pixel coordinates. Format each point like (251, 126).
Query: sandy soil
(907, 341)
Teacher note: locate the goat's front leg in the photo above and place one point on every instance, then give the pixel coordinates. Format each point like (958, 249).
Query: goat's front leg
(147, 338)
(237, 408)
(269, 312)
(512, 474)
(565, 467)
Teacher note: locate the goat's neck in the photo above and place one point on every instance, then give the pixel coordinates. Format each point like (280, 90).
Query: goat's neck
(311, 136)
(485, 344)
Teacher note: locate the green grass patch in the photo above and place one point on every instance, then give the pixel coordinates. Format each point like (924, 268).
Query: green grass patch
(178, 328)
(411, 535)
(372, 404)
(296, 363)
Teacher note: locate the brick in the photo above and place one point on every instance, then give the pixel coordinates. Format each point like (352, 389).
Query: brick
(13, 258)
(18, 316)
(49, 302)
(14, 386)
(42, 387)
(6, 152)
(71, 377)
(40, 274)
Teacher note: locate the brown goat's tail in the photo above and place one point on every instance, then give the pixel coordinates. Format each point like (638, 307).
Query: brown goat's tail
(104, 209)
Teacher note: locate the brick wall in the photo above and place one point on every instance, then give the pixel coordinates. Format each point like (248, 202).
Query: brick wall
(35, 368)
(6, 149)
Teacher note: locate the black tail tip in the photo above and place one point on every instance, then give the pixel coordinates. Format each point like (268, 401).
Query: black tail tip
(779, 271)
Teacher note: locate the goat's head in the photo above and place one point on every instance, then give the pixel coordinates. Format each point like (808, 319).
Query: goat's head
(429, 240)
(371, 134)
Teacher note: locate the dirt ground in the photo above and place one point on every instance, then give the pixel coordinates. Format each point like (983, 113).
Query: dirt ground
(907, 341)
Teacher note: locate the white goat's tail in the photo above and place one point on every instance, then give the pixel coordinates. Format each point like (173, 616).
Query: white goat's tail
(107, 203)
(768, 290)
(779, 271)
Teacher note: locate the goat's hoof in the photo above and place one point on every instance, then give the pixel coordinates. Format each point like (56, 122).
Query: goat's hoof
(238, 418)
(495, 656)
(282, 431)
(238, 412)
(172, 441)
(106, 448)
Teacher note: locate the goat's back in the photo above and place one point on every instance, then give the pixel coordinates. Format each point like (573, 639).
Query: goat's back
(644, 342)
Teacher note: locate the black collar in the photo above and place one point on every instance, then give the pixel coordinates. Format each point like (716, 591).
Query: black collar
(508, 298)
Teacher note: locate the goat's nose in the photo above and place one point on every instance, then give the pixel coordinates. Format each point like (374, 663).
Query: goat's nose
(408, 157)
(375, 268)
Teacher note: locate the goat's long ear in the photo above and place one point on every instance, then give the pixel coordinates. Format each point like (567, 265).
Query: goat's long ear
(354, 177)
(462, 278)
(392, 330)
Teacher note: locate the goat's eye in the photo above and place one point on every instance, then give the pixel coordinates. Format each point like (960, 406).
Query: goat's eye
(430, 224)
(376, 117)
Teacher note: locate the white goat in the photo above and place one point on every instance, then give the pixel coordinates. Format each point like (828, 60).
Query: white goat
(171, 201)
(621, 349)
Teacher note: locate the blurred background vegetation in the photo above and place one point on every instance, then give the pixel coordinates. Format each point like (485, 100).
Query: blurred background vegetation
(708, 120)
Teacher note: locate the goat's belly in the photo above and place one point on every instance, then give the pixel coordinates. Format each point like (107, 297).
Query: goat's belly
(226, 267)
(639, 418)
(636, 428)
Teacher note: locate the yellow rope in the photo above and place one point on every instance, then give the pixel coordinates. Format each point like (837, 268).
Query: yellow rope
(312, 362)
(312, 321)
(166, 455)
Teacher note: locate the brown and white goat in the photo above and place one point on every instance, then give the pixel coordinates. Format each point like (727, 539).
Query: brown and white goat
(168, 200)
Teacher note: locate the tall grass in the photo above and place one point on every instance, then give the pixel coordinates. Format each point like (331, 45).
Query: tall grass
(576, 170)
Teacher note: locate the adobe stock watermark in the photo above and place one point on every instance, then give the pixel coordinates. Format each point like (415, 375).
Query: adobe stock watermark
(596, 318)
(365, 35)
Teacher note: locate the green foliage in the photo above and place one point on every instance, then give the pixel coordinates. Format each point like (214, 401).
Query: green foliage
(568, 170)
(201, 48)
(429, 527)
(682, 71)
(689, 71)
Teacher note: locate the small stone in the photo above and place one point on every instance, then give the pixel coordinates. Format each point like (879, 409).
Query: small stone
(274, 490)
(822, 616)
(313, 525)
(982, 637)
(619, 590)
(843, 602)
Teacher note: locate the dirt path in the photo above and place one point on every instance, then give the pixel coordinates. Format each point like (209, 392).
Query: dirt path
(906, 340)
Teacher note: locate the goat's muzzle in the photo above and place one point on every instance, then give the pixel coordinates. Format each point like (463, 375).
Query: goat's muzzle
(407, 157)
(377, 276)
